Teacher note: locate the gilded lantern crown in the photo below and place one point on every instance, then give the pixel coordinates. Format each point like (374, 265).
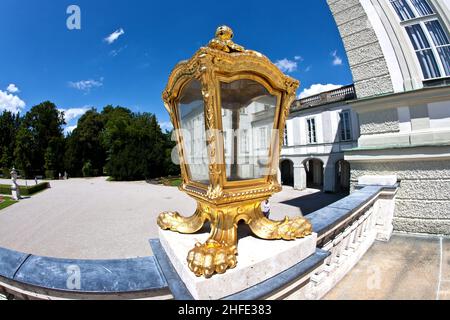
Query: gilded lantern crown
(225, 89)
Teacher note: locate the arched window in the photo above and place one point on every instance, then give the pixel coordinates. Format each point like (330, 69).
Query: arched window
(429, 39)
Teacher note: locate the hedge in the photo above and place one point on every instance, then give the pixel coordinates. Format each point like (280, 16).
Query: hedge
(24, 190)
(5, 189)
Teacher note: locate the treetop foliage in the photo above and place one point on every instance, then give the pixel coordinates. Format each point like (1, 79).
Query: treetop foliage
(114, 142)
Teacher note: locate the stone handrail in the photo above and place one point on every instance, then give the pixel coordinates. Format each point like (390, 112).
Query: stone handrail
(346, 229)
(26, 276)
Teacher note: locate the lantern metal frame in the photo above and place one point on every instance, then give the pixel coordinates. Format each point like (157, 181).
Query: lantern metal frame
(225, 203)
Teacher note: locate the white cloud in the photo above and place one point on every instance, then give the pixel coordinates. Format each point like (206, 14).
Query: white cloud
(337, 61)
(317, 88)
(308, 68)
(12, 88)
(116, 52)
(73, 113)
(69, 129)
(298, 58)
(286, 65)
(86, 85)
(114, 36)
(166, 125)
(10, 102)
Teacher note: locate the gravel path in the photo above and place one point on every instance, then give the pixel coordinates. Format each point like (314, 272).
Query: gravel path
(97, 219)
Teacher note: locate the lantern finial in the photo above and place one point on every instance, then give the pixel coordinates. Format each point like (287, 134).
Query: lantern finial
(224, 33)
(223, 40)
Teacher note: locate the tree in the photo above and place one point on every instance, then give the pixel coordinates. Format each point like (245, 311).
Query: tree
(54, 157)
(84, 145)
(40, 142)
(24, 150)
(170, 168)
(87, 169)
(72, 160)
(9, 125)
(135, 145)
(118, 142)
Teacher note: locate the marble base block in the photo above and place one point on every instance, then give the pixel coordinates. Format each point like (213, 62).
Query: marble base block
(258, 260)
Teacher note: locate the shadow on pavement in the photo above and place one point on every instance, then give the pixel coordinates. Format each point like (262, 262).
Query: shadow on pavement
(315, 201)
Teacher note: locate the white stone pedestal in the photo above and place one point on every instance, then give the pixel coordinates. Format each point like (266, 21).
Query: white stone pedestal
(15, 191)
(258, 260)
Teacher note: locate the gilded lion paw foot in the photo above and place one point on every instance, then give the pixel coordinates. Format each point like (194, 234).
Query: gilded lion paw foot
(211, 257)
(169, 220)
(297, 227)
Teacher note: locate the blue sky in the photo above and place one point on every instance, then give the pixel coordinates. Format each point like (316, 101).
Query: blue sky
(41, 59)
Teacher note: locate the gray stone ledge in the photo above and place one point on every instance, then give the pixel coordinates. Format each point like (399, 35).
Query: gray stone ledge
(325, 219)
(96, 276)
(176, 285)
(10, 262)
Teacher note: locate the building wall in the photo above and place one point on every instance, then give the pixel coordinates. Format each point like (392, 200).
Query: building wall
(408, 135)
(404, 117)
(329, 148)
(423, 199)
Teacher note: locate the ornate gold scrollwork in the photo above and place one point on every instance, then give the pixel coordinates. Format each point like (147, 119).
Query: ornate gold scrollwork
(219, 252)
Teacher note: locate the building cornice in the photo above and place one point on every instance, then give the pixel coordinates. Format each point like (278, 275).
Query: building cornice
(399, 153)
(394, 100)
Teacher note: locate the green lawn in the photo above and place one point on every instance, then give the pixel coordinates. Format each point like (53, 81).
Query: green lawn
(167, 181)
(7, 202)
(172, 181)
(175, 182)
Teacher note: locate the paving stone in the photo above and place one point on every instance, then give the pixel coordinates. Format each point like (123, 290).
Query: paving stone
(406, 267)
(445, 259)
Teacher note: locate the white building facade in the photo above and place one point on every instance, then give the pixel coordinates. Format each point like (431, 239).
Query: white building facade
(318, 130)
(399, 55)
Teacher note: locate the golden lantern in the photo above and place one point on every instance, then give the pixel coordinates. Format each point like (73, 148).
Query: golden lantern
(228, 107)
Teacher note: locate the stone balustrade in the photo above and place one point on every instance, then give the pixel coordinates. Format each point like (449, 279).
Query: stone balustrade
(345, 231)
(340, 94)
(345, 251)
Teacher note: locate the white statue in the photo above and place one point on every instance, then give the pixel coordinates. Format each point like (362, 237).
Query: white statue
(15, 191)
